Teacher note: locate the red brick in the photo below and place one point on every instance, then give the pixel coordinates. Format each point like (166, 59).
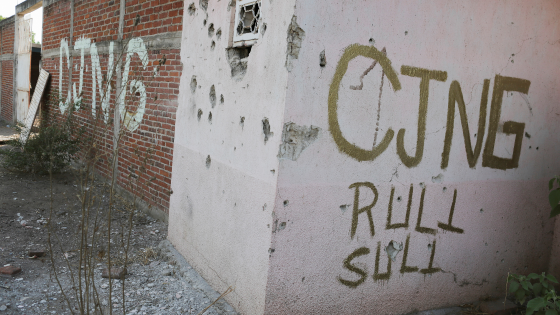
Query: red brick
(10, 270)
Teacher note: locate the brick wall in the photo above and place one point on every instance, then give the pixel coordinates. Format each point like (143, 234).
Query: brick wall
(7, 31)
(98, 22)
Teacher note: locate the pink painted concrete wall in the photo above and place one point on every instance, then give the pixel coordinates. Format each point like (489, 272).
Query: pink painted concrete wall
(500, 211)
(365, 150)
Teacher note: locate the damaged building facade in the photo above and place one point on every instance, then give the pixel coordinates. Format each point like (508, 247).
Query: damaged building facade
(370, 158)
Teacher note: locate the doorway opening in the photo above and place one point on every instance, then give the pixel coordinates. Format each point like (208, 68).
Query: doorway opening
(29, 23)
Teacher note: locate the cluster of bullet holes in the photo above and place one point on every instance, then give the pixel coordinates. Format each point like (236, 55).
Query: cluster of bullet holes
(191, 9)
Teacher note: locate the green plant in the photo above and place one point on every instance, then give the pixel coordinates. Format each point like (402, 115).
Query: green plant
(554, 196)
(51, 149)
(543, 297)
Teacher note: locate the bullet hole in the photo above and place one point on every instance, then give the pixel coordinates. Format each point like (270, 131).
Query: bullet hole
(372, 41)
(213, 45)
(212, 95)
(264, 207)
(266, 130)
(511, 62)
(191, 9)
(210, 118)
(485, 244)
(422, 185)
(204, 22)
(203, 4)
(286, 202)
(322, 59)
(502, 260)
(529, 147)
(221, 99)
(405, 32)
(234, 148)
(475, 135)
(513, 55)
(242, 121)
(437, 179)
(430, 247)
(343, 208)
(399, 198)
(537, 148)
(282, 226)
(211, 30)
(199, 114)
(302, 279)
(263, 29)
(393, 249)
(208, 161)
(137, 20)
(193, 84)
(444, 189)
(481, 210)
(219, 33)
(271, 250)
(273, 171)
(527, 135)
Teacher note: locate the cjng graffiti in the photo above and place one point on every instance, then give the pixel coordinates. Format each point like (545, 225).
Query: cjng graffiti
(134, 46)
(393, 248)
(501, 84)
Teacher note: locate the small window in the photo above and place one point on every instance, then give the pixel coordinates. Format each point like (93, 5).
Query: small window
(247, 22)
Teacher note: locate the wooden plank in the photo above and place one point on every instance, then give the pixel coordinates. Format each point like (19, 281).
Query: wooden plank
(34, 106)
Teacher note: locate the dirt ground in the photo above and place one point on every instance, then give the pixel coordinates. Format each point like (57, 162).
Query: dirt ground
(155, 283)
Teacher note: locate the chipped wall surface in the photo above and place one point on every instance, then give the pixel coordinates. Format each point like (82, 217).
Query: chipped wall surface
(395, 160)
(228, 131)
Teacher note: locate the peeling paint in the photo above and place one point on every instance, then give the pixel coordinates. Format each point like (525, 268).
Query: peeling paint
(295, 139)
(295, 36)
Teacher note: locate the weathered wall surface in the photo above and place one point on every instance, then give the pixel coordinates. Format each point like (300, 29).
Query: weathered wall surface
(229, 127)
(83, 41)
(393, 159)
(7, 30)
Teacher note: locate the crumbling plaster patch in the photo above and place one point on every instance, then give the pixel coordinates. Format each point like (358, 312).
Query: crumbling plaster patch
(295, 37)
(295, 139)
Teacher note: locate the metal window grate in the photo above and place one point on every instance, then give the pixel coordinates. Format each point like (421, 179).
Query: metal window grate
(247, 22)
